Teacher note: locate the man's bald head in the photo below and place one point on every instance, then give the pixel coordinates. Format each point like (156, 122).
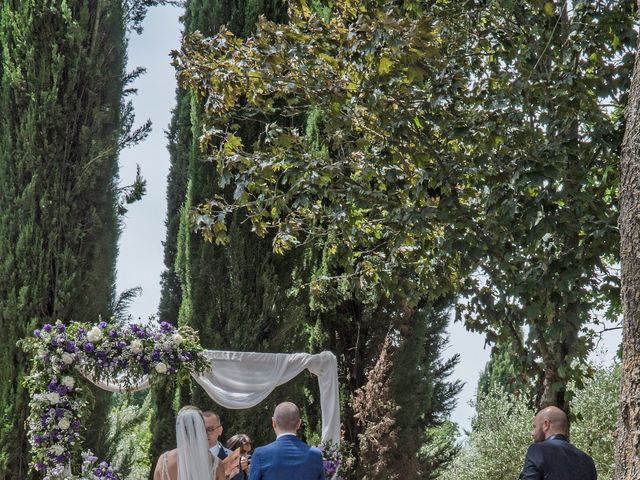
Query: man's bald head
(286, 418)
(547, 422)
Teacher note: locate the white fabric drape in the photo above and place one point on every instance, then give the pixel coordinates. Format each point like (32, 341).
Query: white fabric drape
(243, 379)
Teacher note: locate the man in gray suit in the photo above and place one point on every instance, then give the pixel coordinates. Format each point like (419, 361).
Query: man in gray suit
(552, 457)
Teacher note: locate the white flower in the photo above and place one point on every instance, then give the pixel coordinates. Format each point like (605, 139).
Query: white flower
(68, 382)
(67, 358)
(53, 397)
(178, 339)
(161, 367)
(136, 346)
(64, 423)
(94, 334)
(57, 449)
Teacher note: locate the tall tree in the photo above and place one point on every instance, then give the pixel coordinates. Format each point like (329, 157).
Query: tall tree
(626, 451)
(64, 121)
(236, 296)
(550, 84)
(336, 180)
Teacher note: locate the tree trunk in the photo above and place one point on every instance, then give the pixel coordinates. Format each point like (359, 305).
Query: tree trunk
(628, 432)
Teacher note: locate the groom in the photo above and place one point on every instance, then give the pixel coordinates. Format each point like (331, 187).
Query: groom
(287, 457)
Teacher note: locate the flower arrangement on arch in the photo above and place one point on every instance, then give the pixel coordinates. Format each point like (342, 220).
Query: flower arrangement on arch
(114, 351)
(331, 460)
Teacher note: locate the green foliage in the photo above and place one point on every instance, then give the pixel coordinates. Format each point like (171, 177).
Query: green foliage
(129, 435)
(498, 441)
(501, 430)
(546, 132)
(235, 296)
(374, 197)
(430, 151)
(597, 409)
(61, 86)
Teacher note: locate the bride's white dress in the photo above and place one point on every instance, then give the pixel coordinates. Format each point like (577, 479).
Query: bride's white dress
(165, 467)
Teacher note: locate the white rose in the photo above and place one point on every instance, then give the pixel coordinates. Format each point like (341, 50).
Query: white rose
(57, 449)
(161, 367)
(67, 358)
(53, 397)
(178, 339)
(64, 423)
(68, 382)
(136, 346)
(94, 334)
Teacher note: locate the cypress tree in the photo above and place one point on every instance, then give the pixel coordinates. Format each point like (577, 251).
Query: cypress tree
(60, 94)
(64, 122)
(235, 296)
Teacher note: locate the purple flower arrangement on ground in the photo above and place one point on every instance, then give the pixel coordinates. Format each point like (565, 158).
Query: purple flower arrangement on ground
(331, 460)
(110, 351)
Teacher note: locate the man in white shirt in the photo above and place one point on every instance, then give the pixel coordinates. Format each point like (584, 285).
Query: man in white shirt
(214, 430)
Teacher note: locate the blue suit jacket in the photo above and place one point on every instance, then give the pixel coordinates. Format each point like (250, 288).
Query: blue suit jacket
(556, 459)
(288, 458)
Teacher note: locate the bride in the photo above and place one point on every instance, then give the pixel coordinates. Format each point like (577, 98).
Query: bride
(192, 459)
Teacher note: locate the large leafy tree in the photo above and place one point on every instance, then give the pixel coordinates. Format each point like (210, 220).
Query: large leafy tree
(326, 147)
(500, 144)
(549, 88)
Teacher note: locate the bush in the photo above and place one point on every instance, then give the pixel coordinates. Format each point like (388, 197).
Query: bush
(501, 430)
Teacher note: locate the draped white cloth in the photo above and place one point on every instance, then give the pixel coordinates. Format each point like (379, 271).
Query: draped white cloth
(240, 380)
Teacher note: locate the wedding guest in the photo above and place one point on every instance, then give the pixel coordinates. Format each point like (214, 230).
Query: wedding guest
(191, 460)
(214, 430)
(288, 457)
(552, 457)
(243, 442)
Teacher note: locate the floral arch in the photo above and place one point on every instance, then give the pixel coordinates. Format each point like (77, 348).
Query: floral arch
(118, 356)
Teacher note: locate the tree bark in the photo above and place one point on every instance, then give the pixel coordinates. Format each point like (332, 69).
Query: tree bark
(627, 451)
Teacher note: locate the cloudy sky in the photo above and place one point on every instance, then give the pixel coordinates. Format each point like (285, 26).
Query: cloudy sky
(140, 262)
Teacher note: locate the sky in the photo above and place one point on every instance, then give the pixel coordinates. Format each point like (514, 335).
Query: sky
(140, 260)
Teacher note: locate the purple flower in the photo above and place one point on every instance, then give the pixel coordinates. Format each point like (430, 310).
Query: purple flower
(39, 466)
(155, 355)
(53, 385)
(88, 347)
(70, 346)
(61, 327)
(47, 327)
(113, 333)
(166, 327)
(103, 324)
(38, 439)
(75, 424)
(36, 332)
(54, 342)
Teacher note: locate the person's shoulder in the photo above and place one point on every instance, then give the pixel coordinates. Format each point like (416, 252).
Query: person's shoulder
(315, 451)
(263, 448)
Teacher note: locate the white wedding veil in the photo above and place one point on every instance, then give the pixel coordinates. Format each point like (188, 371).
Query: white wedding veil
(194, 459)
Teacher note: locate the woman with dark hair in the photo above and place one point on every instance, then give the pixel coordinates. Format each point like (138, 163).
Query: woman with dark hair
(192, 459)
(243, 442)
